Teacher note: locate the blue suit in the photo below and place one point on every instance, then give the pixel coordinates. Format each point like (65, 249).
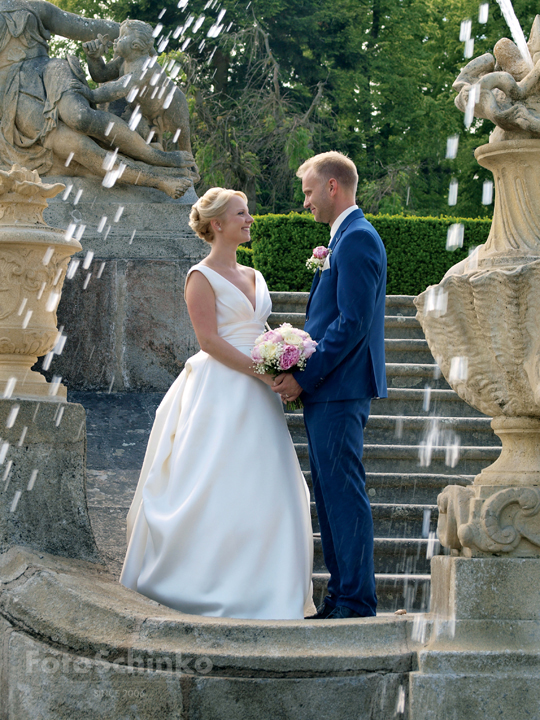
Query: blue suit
(345, 315)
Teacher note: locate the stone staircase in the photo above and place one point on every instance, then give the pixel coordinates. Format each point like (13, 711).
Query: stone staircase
(404, 476)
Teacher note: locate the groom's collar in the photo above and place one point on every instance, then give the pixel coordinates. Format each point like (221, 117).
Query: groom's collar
(340, 218)
(351, 214)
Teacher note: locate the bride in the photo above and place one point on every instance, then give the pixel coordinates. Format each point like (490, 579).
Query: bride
(220, 523)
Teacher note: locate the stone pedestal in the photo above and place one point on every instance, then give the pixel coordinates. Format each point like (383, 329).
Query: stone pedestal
(124, 315)
(43, 479)
(483, 658)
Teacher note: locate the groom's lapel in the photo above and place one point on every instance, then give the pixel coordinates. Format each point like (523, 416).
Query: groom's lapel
(355, 215)
(314, 284)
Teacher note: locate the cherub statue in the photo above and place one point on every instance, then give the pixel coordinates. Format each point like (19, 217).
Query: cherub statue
(70, 99)
(133, 74)
(505, 88)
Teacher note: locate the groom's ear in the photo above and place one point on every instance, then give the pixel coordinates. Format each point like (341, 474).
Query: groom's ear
(333, 186)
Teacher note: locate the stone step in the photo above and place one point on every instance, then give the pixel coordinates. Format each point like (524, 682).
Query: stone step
(415, 375)
(295, 302)
(391, 555)
(405, 488)
(417, 402)
(399, 429)
(400, 305)
(398, 350)
(394, 591)
(285, 302)
(408, 459)
(402, 326)
(396, 521)
(395, 326)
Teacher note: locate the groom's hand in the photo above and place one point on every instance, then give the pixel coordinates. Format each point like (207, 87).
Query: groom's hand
(287, 387)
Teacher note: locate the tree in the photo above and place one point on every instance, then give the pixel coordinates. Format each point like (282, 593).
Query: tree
(271, 82)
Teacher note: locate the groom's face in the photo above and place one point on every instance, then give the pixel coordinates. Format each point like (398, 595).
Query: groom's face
(317, 197)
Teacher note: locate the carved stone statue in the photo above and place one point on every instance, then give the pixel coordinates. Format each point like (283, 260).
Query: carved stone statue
(491, 322)
(504, 88)
(48, 113)
(134, 74)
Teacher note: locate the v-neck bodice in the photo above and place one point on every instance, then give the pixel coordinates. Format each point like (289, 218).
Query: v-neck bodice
(238, 321)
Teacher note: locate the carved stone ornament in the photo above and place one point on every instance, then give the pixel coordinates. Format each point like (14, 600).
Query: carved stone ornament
(482, 325)
(482, 520)
(33, 264)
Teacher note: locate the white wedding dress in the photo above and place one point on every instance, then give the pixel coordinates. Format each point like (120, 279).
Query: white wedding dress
(220, 523)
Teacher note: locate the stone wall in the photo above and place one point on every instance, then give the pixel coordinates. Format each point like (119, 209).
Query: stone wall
(128, 329)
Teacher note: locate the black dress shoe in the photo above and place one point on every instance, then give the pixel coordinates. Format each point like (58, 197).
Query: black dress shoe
(343, 613)
(323, 611)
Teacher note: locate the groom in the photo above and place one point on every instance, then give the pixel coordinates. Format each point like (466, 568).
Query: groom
(345, 315)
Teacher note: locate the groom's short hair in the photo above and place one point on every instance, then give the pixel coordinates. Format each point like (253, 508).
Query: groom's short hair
(332, 165)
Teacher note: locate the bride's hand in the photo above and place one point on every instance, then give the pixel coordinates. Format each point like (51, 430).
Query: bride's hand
(267, 379)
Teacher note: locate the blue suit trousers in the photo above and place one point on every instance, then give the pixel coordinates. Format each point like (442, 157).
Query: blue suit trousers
(335, 432)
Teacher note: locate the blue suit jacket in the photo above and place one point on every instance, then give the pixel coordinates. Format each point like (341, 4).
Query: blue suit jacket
(345, 315)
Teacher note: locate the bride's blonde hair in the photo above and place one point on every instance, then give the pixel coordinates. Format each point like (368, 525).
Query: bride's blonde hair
(211, 206)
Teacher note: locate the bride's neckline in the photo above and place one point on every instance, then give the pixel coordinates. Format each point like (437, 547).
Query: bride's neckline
(254, 306)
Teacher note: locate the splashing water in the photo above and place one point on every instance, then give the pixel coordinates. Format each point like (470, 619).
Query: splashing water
(10, 422)
(15, 502)
(452, 147)
(465, 30)
(400, 706)
(436, 301)
(426, 523)
(453, 192)
(432, 545)
(459, 369)
(454, 236)
(419, 629)
(509, 15)
(427, 398)
(487, 192)
(483, 13)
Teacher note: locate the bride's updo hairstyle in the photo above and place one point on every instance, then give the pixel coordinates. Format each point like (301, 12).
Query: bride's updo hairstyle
(211, 206)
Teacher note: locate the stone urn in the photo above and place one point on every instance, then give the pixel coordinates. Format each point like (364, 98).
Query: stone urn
(487, 345)
(33, 263)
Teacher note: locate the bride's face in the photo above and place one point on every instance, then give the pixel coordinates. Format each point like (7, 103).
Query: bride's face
(235, 222)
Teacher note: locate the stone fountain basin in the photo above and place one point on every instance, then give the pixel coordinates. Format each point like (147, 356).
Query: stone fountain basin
(80, 607)
(77, 644)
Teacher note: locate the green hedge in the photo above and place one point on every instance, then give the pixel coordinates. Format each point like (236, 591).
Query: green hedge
(244, 256)
(415, 246)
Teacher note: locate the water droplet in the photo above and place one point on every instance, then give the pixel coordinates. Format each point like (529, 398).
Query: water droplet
(15, 502)
(32, 480)
(452, 144)
(27, 319)
(487, 192)
(10, 422)
(483, 13)
(455, 233)
(453, 192)
(465, 30)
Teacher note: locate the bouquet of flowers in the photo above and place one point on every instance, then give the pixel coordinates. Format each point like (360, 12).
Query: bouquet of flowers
(316, 261)
(285, 349)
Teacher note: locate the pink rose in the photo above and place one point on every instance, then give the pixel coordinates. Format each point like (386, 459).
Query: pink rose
(256, 354)
(289, 358)
(320, 252)
(271, 336)
(309, 348)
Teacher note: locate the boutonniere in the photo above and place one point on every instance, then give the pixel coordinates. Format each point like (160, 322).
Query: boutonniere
(318, 258)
